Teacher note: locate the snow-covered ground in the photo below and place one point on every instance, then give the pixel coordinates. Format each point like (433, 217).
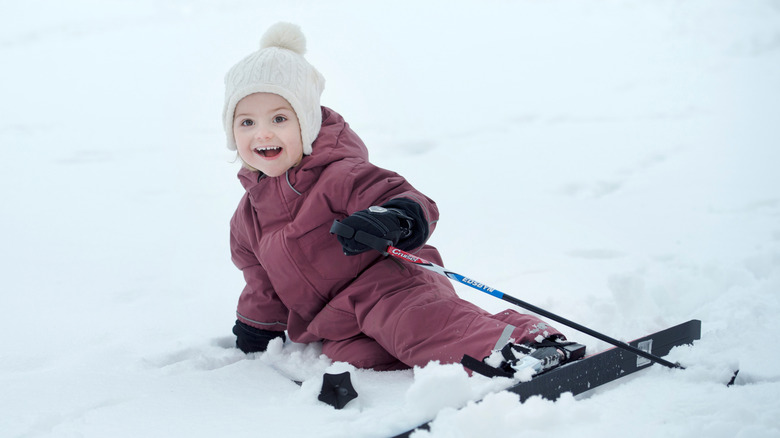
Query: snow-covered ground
(613, 162)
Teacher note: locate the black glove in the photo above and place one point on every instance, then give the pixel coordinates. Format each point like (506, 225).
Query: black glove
(251, 340)
(400, 221)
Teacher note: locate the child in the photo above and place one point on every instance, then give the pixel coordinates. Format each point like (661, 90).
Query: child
(303, 168)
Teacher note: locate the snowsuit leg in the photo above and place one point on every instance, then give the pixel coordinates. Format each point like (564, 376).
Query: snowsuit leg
(424, 320)
(528, 328)
(433, 326)
(362, 352)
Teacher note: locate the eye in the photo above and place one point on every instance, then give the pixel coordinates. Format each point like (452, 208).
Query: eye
(280, 119)
(247, 122)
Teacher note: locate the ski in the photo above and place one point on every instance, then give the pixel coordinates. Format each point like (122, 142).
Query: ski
(600, 368)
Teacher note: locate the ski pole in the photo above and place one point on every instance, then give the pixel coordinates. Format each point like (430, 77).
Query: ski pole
(386, 248)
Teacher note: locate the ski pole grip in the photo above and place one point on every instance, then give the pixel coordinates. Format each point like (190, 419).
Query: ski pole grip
(360, 236)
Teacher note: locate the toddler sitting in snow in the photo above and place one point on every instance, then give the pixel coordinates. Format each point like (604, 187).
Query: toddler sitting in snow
(303, 168)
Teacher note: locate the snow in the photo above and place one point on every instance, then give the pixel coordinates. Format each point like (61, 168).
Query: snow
(614, 162)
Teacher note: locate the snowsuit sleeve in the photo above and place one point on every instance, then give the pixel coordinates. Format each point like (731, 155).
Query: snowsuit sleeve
(259, 305)
(372, 185)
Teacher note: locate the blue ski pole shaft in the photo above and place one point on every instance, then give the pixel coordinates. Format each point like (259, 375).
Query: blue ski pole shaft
(400, 254)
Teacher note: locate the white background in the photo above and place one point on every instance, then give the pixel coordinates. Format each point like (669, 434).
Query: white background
(613, 162)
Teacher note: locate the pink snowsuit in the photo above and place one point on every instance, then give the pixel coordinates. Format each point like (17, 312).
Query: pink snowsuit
(368, 310)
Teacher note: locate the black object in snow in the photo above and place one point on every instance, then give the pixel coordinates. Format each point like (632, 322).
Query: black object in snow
(337, 389)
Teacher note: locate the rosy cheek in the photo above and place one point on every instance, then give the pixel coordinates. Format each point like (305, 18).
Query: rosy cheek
(240, 139)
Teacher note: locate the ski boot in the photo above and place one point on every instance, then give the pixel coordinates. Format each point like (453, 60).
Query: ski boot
(538, 356)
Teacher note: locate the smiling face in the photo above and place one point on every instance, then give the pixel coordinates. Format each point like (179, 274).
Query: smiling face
(267, 133)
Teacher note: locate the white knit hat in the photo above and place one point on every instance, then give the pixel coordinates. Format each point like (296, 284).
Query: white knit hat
(280, 68)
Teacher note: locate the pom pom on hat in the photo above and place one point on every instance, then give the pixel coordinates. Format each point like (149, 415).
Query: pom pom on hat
(280, 68)
(284, 36)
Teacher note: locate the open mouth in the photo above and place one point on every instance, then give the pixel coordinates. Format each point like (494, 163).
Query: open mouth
(269, 151)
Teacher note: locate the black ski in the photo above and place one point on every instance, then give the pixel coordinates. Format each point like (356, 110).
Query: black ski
(600, 368)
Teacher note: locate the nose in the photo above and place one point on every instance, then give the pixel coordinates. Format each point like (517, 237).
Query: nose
(263, 133)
